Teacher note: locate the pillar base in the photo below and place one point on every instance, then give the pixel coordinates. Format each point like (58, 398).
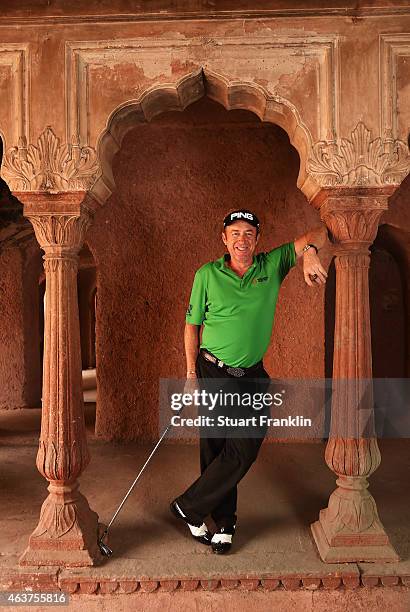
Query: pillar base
(66, 535)
(61, 558)
(353, 547)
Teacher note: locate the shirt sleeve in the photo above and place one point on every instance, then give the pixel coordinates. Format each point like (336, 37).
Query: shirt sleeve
(283, 258)
(195, 313)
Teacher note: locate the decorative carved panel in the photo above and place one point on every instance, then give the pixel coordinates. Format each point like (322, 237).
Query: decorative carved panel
(50, 166)
(359, 161)
(106, 75)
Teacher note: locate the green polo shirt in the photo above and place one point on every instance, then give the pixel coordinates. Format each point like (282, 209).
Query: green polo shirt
(237, 313)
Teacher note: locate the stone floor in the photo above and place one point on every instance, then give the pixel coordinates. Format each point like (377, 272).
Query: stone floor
(156, 565)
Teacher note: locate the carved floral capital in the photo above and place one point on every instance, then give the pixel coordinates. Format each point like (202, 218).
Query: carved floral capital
(359, 161)
(50, 165)
(358, 226)
(352, 215)
(54, 232)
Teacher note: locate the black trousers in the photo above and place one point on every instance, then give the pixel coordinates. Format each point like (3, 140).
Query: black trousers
(224, 458)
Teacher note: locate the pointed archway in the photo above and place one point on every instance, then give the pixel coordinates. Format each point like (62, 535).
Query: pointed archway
(231, 94)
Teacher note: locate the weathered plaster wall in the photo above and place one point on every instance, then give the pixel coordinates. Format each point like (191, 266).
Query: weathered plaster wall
(176, 179)
(20, 377)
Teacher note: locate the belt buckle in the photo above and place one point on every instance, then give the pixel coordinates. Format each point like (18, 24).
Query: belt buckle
(237, 372)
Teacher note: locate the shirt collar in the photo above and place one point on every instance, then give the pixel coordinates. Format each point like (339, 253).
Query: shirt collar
(220, 264)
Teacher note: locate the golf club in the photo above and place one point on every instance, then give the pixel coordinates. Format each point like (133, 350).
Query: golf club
(104, 548)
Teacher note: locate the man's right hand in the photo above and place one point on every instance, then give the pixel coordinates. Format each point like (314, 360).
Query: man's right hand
(191, 383)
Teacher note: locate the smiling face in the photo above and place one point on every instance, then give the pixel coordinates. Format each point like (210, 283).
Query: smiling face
(240, 238)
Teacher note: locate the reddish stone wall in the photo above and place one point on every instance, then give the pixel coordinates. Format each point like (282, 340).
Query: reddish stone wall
(388, 317)
(11, 330)
(20, 372)
(390, 288)
(398, 214)
(33, 266)
(86, 286)
(177, 178)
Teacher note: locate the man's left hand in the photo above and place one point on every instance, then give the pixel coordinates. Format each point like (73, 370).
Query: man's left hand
(313, 271)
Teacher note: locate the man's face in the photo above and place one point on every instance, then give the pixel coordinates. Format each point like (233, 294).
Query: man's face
(240, 239)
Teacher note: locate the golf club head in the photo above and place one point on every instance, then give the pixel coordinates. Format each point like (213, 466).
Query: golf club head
(105, 550)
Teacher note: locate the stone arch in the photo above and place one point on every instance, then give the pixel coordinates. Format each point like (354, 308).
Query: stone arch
(231, 94)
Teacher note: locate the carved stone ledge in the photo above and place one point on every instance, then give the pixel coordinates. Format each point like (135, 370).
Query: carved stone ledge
(359, 161)
(61, 203)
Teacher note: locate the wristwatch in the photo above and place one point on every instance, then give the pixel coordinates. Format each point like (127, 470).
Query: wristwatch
(310, 246)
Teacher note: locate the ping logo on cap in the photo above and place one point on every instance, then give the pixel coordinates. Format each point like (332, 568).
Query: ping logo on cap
(242, 215)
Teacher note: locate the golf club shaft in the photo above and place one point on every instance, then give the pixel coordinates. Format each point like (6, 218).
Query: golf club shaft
(136, 479)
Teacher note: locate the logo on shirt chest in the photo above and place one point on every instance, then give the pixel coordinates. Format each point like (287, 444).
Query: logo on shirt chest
(261, 279)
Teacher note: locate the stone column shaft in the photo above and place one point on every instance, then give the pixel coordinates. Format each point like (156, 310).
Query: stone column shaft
(67, 530)
(349, 529)
(63, 452)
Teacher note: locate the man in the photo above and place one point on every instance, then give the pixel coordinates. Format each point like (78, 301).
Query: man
(233, 299)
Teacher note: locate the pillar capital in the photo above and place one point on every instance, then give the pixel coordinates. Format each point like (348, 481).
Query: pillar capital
(60, 220)
(352, 215)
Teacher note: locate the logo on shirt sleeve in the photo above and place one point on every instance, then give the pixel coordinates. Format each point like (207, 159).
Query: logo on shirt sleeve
(189, 310)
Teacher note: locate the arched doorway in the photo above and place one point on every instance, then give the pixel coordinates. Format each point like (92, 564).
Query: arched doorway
(176, 178)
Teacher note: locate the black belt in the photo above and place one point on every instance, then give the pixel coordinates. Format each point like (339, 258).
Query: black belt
(232, 371)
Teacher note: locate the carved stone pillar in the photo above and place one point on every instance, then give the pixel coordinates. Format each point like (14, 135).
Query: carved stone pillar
(67, 530)
(349, 529)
